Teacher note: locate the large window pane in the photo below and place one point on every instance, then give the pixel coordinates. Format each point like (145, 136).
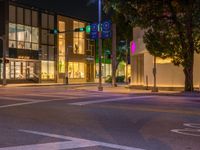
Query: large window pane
(61, 47)
(51, 70)
(8, 71)
(76, 70)
(61, 26)
(12, 70)
(51, 39)
(12, 31)
(44, 72)
(20, 45)
(27, 33)
(51, 22)
(12, 13)
(35, 35)
(27, 45)
(27, 17)
(20, 15)
(44, 52)
(20, 36)
(44, 21)
(51, 52)
(20, 32)
(44, 36)
(78, 39)
(35, 46)
(12, 44)
(34, 18)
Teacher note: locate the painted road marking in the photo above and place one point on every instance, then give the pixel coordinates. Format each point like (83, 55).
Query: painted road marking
(109, 100)
(72, 143)
(17, 99)
(53, 96)
(194, 129)
(52, 146)
(27, 103)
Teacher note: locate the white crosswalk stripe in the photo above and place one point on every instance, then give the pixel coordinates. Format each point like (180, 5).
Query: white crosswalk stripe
(108, 100)
(72, 143)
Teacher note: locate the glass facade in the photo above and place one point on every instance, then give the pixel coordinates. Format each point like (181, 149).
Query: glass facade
(23, 32)
(36, 55)
(23, 37)
(76, 70)
(47, 47)
(21, 70)
(61, 48)
(78, 38)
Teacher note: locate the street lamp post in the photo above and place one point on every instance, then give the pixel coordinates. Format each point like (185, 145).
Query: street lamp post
(127, 61)
(100, 87)
(67, 64)
(4, 59)
(155, 89)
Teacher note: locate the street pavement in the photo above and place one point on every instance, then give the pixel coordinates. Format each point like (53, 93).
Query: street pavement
(81, 118)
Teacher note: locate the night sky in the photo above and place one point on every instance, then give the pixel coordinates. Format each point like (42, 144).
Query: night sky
(75, 8)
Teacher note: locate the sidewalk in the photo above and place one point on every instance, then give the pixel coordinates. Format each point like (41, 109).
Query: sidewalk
(46, 84)
(122, 89)
(107, 88)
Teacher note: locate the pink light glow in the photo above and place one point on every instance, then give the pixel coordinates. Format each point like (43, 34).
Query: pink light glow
(133, 47)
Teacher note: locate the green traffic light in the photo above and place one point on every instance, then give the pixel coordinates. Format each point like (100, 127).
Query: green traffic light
(81, 29)
(88, 29)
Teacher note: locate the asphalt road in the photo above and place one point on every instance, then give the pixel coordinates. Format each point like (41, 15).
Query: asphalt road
(57, 118)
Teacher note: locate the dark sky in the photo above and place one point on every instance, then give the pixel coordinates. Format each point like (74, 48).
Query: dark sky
(75, 8)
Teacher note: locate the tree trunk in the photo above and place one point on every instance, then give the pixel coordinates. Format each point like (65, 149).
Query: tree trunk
(188, 71)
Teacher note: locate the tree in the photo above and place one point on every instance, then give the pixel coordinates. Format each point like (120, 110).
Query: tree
(123, 36)
(171, 29)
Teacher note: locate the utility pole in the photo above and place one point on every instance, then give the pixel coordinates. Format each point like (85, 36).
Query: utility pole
(127, 61)
(114, 55)
(100, 87)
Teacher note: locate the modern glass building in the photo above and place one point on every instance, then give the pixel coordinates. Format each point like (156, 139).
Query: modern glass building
(35, 55)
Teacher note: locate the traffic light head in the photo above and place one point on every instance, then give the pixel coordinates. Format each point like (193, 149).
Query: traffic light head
(79, 30)
(88, 29)
(54, 31)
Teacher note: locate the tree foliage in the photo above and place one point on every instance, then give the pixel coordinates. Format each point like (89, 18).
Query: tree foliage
(123, 36)
(171, 28)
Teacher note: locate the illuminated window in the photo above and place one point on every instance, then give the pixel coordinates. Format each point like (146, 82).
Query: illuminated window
(48, 70)
(163, 61)
(44, 72)
(76, 70)
(61, 47)
(23, 37)
(78, 39)
(12, 35)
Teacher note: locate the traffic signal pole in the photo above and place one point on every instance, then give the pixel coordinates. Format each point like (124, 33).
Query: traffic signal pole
(114, 55)
(100, 87)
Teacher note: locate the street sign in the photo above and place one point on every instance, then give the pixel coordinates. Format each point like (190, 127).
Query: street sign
(94, 31)
(106, 29)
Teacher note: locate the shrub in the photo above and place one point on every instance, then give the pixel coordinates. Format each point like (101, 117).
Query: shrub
(119, 79)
